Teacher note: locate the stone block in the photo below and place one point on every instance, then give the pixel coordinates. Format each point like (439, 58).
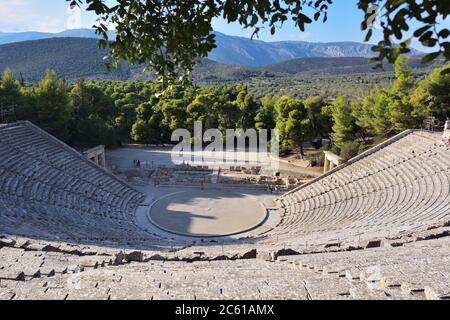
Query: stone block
(5, 242)
(118, 258)
(135, 256)
(373, 244)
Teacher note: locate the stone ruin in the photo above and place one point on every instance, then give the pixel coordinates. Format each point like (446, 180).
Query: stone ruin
(377, 227)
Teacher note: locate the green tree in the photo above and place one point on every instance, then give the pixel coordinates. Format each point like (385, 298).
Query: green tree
(266, 115)
(298, 128)
(201, 109)
(381, 123)
(293, 124)
(389, 110)
(51, 106)
(127, 101)
(9, 90)
(432, 95)
(226, 109)
(174, 113)
(148, 128)
(321, 121)
(248, 108)
(92, 117)
(344, 127)
(364, 113)
(229, 116)
(172, 34)
(400, 107)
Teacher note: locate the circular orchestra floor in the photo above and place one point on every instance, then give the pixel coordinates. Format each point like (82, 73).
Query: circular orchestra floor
(207, 213)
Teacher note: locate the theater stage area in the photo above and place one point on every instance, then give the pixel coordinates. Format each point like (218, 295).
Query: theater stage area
(207, 213)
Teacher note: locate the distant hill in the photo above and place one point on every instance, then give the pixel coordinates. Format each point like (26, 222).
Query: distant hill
(244, 51)
(13, 37)
(336, 66)
(235, 50)
(22, 36)
(75, 58)
(71, 58)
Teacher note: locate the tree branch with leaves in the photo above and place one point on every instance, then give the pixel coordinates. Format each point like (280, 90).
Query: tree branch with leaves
(173, 35)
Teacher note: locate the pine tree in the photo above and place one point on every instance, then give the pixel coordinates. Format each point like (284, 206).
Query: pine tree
(147, 127)
(9, 89)
(292, 123)
(201, 109)
(381, 123)
(432, 95)
(344, 127)
(320, 121)
(53, 111)
(400, 106)
(364, 113)
(92, 115)
(266, 115)
(248, 108)
(298, 128)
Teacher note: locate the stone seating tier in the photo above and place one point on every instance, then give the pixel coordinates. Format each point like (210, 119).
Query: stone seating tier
(51, 192)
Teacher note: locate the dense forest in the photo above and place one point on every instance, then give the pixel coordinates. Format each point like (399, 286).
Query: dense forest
(301, 86)
(78, 58)
(113, 112)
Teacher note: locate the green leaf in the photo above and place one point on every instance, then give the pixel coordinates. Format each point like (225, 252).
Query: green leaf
(368, 35)
(430, 57)
(316, 16)
(421, 31)
(444, 33)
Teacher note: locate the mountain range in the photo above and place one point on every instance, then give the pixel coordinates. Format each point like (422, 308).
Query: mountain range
(75, 58)
(234, 50)
(13, 37)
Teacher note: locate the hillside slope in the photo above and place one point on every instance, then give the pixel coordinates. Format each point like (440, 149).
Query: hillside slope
(13, 37)
(75, 58)
(71, 58)
(244, 51)
(232, 49)
(341, 65)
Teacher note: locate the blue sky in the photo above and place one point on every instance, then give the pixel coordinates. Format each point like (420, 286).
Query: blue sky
(53, 16)
(343, 25)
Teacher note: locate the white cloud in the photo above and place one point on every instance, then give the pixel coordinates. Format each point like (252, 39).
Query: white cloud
(12, 13)
(37, 15)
